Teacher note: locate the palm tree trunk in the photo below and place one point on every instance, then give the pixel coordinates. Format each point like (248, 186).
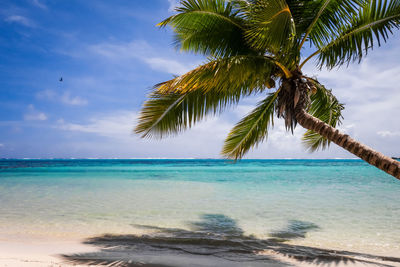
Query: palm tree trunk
(362, 151)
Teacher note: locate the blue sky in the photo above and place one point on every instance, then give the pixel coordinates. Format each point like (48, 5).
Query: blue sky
(110, 53)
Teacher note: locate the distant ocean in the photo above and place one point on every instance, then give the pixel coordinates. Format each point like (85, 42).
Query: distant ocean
(335, 204)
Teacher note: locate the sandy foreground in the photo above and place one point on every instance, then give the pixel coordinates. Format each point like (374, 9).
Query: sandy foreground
(35, 253)
(39, 253)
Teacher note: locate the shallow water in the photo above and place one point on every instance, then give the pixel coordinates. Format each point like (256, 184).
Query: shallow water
(335, 204)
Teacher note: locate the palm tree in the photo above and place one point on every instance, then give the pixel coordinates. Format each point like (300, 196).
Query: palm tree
(256, 47)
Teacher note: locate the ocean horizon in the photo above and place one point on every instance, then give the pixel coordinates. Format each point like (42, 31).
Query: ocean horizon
(189, 158)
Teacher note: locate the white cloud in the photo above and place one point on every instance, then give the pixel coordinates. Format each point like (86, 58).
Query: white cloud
(40, 116)
(172, 5)
(46, 94)
(120, 125)
(203, 140)
(141, 50)
(20, 20)
(116, 125)
(65, 98)
(282, 140)
(242, 110)
(357, 85)
(167, 65)
(388, 134)
(39, 4)
(34, 115)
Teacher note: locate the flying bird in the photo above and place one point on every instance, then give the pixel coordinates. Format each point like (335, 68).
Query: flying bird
(61, 79)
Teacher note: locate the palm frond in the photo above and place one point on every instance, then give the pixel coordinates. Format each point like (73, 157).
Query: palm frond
(245, 74)
(165, 114)
(251, 130)
(303, 12)
(210, 27)
(178, 104)
(327, 108)
(271, 26)
(329, 17)
(373, 23)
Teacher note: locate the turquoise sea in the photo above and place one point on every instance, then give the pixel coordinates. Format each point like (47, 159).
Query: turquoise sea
(334, 204)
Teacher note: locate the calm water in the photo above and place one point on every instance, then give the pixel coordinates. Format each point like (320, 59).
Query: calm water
(339, 204)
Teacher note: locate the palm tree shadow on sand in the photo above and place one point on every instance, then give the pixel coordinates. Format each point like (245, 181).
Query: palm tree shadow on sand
(216, 240)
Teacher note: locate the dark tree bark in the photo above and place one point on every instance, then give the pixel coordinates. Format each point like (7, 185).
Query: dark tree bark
(360, 150)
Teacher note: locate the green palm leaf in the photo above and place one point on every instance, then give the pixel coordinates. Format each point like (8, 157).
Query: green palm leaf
(245, 74)
(171, 113)
(328, 18)
(251, 130)
(210, 27)
(327, 108)
(373, 23)
(303, 12)
(271, 26)
(181, 102)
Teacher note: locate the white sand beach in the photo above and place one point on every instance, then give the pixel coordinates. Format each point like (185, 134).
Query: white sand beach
(38, 253)
(49, 253)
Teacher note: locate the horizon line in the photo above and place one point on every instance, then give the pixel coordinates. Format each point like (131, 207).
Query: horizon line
(162, 158)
